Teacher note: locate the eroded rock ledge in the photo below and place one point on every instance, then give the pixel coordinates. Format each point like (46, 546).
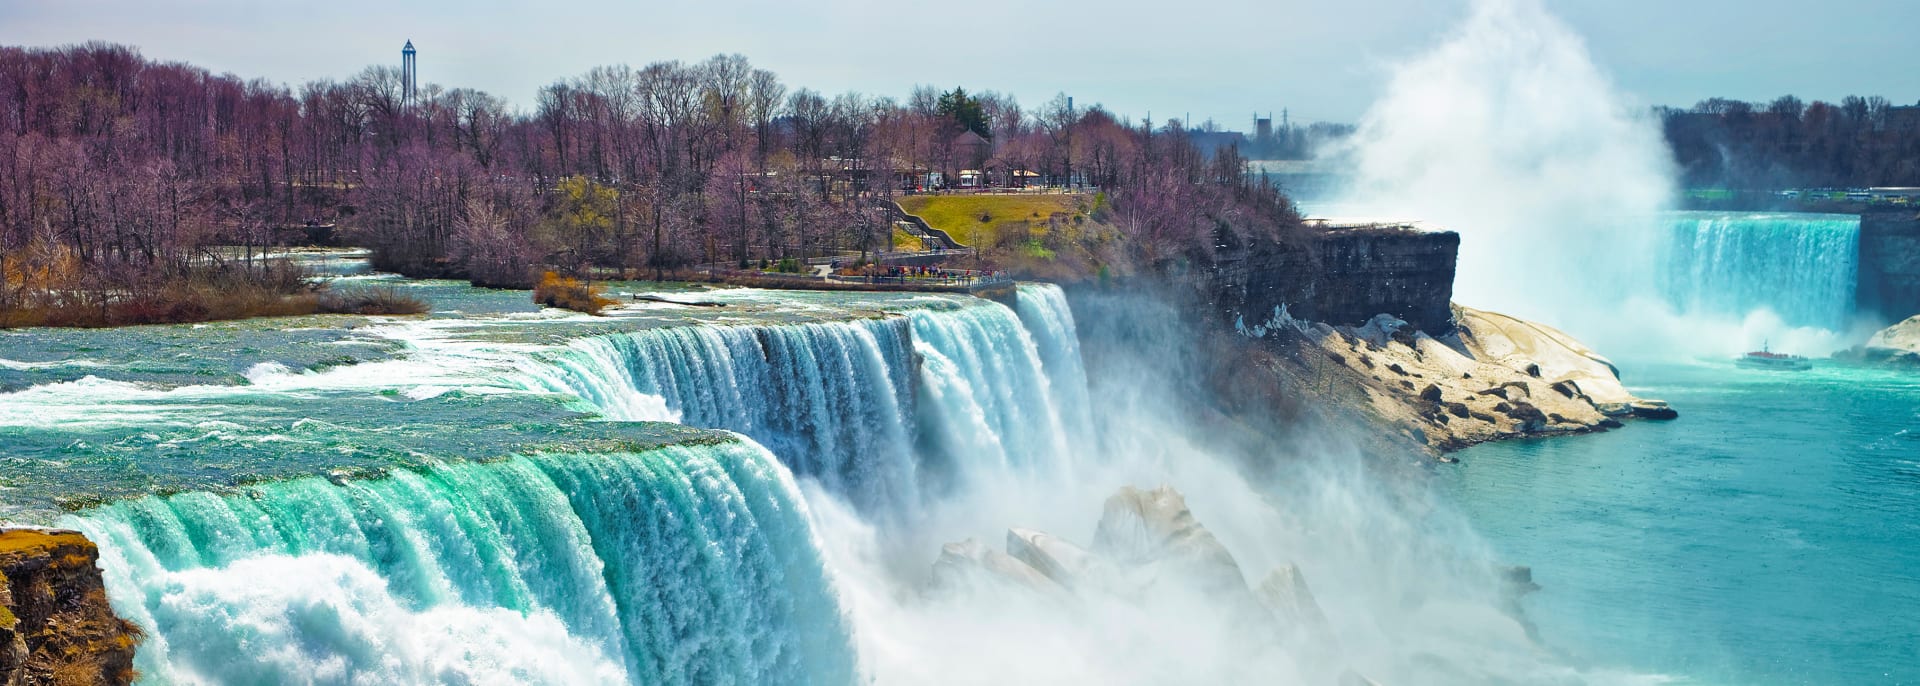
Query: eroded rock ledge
(55, 624)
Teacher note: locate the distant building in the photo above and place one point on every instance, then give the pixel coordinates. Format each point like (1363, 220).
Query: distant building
(970, 149)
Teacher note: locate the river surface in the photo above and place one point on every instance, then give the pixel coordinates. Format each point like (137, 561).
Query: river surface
(754, 491)
(1771, 535)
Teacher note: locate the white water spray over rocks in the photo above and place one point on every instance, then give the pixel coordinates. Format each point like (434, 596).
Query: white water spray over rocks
(1508, 133)
(1560, 186)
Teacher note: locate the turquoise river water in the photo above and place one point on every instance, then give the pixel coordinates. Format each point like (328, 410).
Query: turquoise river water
(1771, 535)
(752, 491)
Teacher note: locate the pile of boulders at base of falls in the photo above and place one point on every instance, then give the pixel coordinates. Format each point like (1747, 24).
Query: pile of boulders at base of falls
(1144, 538)
(1895, 345)
(1149, 542)
(1493, 377)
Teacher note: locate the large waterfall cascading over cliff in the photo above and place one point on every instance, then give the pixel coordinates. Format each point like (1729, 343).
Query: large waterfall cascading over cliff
(990, 401)
(714, 560)
(879, 410)
(1803, 267)
(828, 398)
(690, 563)
(679, 565)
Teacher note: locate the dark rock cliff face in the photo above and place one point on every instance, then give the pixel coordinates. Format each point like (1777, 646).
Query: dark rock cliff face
(55, 624)
(1889, 264)
(1340, 276)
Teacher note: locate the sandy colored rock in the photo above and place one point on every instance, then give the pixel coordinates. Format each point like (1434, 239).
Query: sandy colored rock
(1516, 344)
(1898, 344)
(1286, 595)
(1154, 531)
(1054, 557)
(970, 559)
(1494, 377)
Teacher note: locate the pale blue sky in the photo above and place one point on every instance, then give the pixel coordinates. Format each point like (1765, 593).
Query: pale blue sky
(1322, 59)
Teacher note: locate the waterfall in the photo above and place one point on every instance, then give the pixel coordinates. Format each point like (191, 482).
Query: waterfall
(691, 563)
(686, 564)
(880, 410)
(828, 398)
(993, 399)
(1803, 267)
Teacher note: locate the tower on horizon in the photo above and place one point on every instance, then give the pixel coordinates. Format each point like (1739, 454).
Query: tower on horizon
(409, 75)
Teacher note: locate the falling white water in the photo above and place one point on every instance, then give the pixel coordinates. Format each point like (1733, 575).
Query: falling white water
(679, 565)
(878, 409)
(713, 562)
(1802, 267)
(1509, 134)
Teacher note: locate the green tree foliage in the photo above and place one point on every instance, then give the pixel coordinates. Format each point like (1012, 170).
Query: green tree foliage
(583, 219)
(966, 110)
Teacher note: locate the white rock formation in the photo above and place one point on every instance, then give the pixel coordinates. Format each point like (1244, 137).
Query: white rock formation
(1147, 545)
(1497, 376)
(971, 560)
(1897, 344)
(1152, 533)
(1285, 594)
(1054, 557)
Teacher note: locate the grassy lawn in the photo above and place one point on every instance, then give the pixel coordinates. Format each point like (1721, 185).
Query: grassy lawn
(905, 241)
(976, 219)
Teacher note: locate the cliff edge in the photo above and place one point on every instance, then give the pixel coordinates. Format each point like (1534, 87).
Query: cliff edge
(1339, 274)
(55, 624)
(1889, 278)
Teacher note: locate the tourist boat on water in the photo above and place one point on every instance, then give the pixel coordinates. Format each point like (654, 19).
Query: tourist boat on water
(1767, 359)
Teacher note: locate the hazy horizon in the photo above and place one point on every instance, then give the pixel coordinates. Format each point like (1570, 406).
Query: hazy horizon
(1320, 63)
